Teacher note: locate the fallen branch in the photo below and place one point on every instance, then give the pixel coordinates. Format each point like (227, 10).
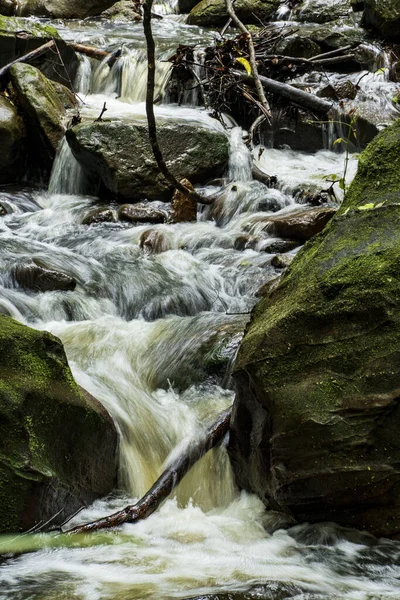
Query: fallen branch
(164, 484)
(151, 120)
(27, 57)
(89, 51)
(300, 97)
(252, 59)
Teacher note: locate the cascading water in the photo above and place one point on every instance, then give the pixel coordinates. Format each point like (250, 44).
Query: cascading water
(139, 330)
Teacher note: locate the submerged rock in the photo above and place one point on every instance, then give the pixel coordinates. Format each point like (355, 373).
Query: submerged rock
(12, 136)
(154, 242)
(316, 419)
(141, 213)
(45, 112)
(213, 12)
(38, 279)
(119, 154)
(57, 445)
(99, 215)
(384, 17)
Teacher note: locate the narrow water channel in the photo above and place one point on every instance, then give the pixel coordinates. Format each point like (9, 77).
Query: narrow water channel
(137, 331)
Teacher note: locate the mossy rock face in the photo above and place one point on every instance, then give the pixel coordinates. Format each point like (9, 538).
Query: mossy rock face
(119, 154)
(12, 136)
(384, 17)
(317, 415)
(57, 445)
(323, 11)
(41, 104)
(65, 9)
(212, 13)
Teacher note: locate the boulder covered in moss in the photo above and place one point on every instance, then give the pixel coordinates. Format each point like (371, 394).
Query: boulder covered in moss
(315, 429)
(57, 445)
(12, 137)
(118, 153)
(18, 36)
(384, 17)
(212, 13)
(42, 107)
(64, 9)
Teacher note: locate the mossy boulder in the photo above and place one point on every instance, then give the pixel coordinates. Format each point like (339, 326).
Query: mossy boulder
(323, 11)
(42, 107)
(18, 36)
(64, 9)
(57, 445)
(12, 136)
(384, 17)
(317, 415)
(212, 13)
(119, 154)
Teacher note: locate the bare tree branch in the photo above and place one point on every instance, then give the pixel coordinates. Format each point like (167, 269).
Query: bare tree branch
(151, 120)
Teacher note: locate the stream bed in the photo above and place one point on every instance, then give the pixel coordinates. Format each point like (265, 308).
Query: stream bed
(134, 331)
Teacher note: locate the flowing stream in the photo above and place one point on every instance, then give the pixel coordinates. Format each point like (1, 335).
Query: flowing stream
(137, 331)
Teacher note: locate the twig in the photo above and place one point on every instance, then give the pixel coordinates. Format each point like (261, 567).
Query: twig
(103, 110)
(252, 59)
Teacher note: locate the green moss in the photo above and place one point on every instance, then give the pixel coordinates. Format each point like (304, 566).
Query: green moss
(13, 25)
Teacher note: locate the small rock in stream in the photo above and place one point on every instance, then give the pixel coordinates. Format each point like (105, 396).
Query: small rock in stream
(183, 209)
(99, 215)
(154, 242)
(301, 225)
(281, 261)
(141, 213)
(38, 279)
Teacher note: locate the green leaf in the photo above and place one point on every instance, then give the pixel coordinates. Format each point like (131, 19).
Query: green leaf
(366, 206)
(338, 141)
(245, 63)
(342, 183)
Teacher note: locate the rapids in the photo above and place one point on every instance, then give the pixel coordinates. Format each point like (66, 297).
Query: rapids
(134, 331)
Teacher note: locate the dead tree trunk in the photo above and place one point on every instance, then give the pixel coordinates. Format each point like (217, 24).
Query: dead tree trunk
(151, 120)
(300, 97)
(164, 484)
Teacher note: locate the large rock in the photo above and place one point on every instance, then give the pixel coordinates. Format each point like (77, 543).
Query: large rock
(323, 11)
(212, 13)
(43, 108)
(12, 135)
(39, 279)
(57, 445)
(64, 9)
(316, 420)
(119, 154)
(384, 17)
(18, 36)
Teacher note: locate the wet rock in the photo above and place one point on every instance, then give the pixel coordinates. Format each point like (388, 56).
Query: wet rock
(301, 225)
(339, 91)
(272, 590)
(12, 138)
(64, 9)
(316, 419)
(105, 149)
(141, 213)
(323, 11)
(44, 111)
(57, 444)
(298, 46)
(245, 242)
(213, 12)
(384, 17)
(302, 133)
(99, 215)
(66, 96)
(185, 6)
(281, 261)
(7, 7)
(267, 288)
(124, 10)
(3, 210)
(38, 279)
(154, 242)
(281, 246)
(182, 209)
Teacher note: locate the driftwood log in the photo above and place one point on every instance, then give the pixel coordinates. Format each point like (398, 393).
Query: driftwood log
(300, 97)
(165, 483)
